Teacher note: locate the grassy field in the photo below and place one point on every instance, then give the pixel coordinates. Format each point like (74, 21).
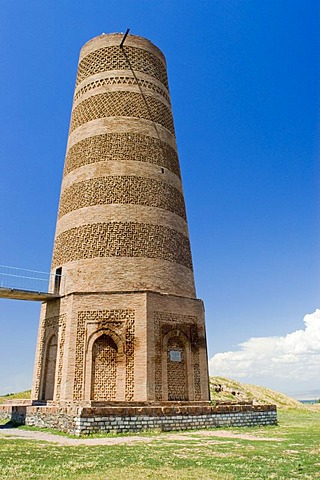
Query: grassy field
(290, 450)
(13, 396)
(226, 389)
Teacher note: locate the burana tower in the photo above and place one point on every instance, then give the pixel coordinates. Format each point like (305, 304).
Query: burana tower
(121, 344)
(127, 326)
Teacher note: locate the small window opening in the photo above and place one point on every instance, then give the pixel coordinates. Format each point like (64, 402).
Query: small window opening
(57, 280)
(162, 170)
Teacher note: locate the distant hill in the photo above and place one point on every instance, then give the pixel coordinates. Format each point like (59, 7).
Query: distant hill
(14, 396)
(221, 389)
(227, 390)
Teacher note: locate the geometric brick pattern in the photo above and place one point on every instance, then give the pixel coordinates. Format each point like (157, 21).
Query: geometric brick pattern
(158, 357)
(119, 321)
(122, 239)
(129, 352)
(104, 369)
(122, 190)
(112, 58)
(79, 366)
(121, 104)
(196, 362)
(177, 372)
(122, 147)
(122, 243)
(62, 338)
(163, 323)
(121, 80)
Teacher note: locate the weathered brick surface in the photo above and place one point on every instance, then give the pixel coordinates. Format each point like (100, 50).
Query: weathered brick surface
(127, 327)
(84, 421)
(121, 234)
(108, 58)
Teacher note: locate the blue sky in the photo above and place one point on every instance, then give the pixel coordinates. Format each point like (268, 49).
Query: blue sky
(244, 81)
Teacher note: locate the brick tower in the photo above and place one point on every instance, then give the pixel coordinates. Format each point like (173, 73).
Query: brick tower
(127, 326)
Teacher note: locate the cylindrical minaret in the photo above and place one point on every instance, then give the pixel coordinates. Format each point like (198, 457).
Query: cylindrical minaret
(127, 326)
(122, 221)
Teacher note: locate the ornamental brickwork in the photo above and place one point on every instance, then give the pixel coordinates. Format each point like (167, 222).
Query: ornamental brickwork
(121, 104)
(110, 58)
(128, 327)
(122, 190)
(104, 369)
(122, 240)
(121, 147)
(122, 80)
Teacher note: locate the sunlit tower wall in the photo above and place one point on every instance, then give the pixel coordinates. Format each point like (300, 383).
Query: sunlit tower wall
(127, 326)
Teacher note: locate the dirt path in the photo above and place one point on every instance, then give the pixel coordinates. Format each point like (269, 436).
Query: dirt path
(13, 433)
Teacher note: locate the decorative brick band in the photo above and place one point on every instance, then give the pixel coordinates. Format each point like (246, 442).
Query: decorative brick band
(121, 80)
(122, 190)
(121, 104)
(116, 239)
(113, 58)
(122, 147)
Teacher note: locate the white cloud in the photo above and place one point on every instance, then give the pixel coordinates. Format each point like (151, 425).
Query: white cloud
(289, 359)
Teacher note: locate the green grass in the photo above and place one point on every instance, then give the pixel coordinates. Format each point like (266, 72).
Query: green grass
(226, 389)
(294, 454)
(12, 396)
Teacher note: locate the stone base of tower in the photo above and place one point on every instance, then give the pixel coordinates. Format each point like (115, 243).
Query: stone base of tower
(138, 418)
(121, 347)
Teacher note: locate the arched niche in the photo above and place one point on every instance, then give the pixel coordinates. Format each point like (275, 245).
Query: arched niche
(176, 364)
(104, 367)
(50, 356)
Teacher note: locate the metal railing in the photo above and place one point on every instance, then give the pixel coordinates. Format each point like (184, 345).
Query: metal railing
(30, 280)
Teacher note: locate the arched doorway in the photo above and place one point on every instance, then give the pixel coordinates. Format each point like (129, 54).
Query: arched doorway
(50, 368)
(104, 369)
(177, 370)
